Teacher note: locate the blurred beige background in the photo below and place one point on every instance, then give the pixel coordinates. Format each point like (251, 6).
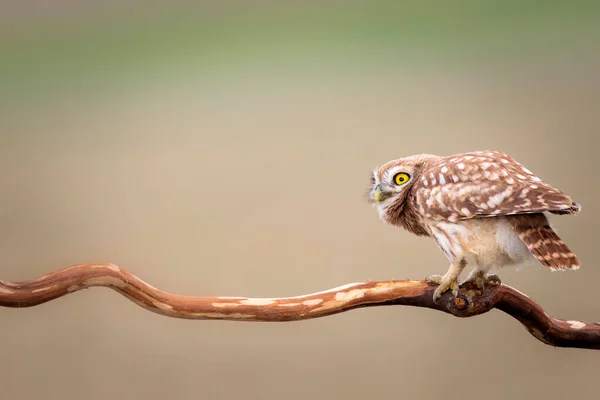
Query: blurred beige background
(248, 179)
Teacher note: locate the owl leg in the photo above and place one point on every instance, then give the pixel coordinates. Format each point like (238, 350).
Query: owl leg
(449, 281)
(480, 278)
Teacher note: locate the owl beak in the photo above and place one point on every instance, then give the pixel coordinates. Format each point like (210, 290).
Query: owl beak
(379, 195)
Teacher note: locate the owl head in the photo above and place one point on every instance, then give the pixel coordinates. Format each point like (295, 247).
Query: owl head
(391, 184)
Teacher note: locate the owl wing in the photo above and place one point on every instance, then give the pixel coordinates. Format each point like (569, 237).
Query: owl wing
(485, 184)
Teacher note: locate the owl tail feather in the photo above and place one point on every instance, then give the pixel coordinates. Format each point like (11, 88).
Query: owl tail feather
(547, 247)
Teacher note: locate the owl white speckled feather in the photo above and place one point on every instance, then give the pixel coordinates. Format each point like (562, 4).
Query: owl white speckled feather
(483, 209)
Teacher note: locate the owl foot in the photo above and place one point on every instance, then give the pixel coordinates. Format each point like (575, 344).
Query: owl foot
(480, 279)
(445, 284)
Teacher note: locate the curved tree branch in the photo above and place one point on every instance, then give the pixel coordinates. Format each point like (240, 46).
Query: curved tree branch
(470, 302)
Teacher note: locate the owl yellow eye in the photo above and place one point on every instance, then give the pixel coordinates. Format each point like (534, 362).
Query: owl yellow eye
(401, 178)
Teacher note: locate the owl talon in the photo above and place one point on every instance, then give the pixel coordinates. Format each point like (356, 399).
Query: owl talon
(480, 279)
(493, 279)
(445, 284)
(437, 279)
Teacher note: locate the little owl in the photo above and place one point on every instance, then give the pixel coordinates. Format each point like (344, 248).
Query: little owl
(482, 208)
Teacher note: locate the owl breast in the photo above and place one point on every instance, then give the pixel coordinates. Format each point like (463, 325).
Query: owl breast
(484, 242)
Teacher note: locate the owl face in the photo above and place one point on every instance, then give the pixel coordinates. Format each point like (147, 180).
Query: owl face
(391, 182)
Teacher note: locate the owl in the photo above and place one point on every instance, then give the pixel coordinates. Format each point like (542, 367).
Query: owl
(483, 209)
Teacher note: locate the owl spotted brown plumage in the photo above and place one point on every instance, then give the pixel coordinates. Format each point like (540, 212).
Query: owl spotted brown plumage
(483, 209)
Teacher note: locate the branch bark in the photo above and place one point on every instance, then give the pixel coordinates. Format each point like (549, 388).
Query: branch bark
(470, 302)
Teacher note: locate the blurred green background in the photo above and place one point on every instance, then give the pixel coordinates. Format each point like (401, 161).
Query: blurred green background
(73, 44)
(224, 148)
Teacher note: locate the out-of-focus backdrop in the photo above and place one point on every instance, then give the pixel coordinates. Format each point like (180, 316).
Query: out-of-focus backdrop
(224, 148)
